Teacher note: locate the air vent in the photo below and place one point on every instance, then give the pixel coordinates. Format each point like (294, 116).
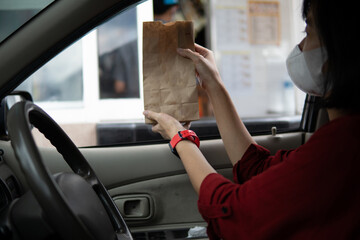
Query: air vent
(4, 196)
(180, 234)
(140, 236)
(159, 235)
(156, 235)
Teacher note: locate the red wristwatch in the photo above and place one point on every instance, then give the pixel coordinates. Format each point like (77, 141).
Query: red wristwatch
(183, 135)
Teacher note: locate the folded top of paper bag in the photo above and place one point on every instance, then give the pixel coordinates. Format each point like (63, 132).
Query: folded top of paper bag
(169, 79)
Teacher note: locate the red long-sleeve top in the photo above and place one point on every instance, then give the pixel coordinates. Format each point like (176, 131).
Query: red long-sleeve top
(312, 192)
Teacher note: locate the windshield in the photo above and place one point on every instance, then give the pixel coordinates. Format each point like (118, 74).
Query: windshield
(15, 13)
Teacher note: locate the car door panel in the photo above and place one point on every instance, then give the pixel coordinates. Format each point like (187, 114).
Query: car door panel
(152, 172)
(147, 162)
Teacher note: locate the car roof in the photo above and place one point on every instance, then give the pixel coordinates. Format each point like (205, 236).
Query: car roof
(48, 33)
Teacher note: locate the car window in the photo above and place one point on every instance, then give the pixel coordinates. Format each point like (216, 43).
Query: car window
(118, 57)
(15, 13)
(51, 83)
(93, 89)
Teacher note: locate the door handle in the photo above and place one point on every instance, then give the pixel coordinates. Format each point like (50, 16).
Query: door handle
(135, 207)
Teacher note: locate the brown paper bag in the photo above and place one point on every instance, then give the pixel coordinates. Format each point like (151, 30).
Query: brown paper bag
(169, 79)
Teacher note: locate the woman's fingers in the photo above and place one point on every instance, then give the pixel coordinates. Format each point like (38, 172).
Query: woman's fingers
(187, 53)
(201, 50)
(151, 115)
(187, 125)
(155, 128)
(166, 125)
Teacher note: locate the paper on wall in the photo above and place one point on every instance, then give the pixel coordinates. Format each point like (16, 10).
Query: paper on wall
(169, 79)
(264, 22)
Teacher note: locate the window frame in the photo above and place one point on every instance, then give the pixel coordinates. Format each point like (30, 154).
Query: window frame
(134, 134)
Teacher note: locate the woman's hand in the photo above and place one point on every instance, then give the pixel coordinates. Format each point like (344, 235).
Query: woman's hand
(166, 125)
(205, 65)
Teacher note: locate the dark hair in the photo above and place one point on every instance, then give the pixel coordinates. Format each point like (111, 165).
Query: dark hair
(161, 6)
(336, 24)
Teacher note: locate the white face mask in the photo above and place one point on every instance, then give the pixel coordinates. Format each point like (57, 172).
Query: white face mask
(305, 68)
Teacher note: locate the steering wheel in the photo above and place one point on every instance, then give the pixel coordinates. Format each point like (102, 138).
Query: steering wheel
(76, 205)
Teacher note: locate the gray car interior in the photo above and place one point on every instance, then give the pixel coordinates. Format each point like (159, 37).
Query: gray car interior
(147, 182)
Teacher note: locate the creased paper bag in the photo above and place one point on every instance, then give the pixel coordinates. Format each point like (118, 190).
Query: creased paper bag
(169, 79)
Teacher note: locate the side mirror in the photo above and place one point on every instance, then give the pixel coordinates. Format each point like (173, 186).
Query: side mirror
(6, 103)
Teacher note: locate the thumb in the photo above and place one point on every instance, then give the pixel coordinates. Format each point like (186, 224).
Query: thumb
(187, 125)
(187, 53)
(151, 115)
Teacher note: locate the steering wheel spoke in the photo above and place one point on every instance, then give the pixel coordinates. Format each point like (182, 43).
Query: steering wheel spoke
(74, 203)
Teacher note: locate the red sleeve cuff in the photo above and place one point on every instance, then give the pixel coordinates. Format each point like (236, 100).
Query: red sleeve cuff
(211, 202)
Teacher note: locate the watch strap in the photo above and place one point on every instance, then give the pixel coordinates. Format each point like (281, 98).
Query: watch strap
(183, 135)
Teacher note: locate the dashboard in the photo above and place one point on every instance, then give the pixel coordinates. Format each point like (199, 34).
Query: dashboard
(10, 188)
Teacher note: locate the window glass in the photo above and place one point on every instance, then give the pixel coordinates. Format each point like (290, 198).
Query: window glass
(118, 57)
(15, 13)
(78, 87)
(59, 80)
(94, 88)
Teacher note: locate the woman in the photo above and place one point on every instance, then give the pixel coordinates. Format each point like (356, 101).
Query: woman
(310, 192)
